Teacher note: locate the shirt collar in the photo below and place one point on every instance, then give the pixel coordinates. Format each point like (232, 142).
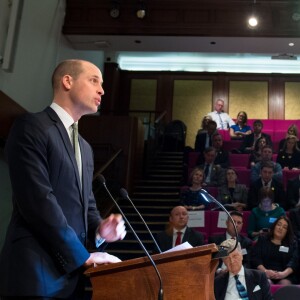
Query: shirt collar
(181, 230)
(66, 119)
(241, 272)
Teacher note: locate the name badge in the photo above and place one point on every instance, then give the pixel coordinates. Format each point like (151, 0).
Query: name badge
(272, 220)
(284, 249)
(244, 251)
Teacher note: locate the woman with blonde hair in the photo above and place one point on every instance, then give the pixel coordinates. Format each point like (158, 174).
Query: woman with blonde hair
(190, 197)
(289, 156)
(292, 130)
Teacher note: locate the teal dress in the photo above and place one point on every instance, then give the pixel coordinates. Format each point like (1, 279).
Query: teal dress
(260, 219)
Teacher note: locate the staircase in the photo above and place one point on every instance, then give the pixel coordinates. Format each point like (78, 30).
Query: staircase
(154, 196)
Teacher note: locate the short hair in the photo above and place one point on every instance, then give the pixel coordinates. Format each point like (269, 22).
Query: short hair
(209, 149)
(266, 192)
(236, 213)
(267, 164)
(267, 146)
(72, 67)
(216, 134)
(211, 123)
(258, 122)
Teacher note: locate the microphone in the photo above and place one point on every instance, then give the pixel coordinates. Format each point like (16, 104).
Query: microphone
(209, 198)
(160, 292)
(124, 194)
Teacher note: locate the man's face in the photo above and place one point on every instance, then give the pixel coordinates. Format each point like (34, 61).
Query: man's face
(234, 261)
(266, 154)
(217, 142)
(257, 127)
(238, 223)
(219, 106)
(86, 90)
(267, 174)
(179, 217)
(209, 157)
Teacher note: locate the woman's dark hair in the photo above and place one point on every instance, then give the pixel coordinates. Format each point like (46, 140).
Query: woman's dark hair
(266, 192)
(236, 181)
(289, 237)
(256, 146)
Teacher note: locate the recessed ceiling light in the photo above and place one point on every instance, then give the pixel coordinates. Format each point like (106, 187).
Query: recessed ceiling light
(291, 44)
(252, 22)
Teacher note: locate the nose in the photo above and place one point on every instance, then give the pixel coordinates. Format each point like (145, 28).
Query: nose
(100, 90)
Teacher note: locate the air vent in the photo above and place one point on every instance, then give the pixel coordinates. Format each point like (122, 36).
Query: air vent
(285, 57)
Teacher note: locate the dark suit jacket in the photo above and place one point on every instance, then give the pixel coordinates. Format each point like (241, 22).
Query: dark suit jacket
(253, 195)
(245, 242)
(253, 278)
(249, 140)
(222, 159)
(201, 141)
(217, 175)
(294, 215)
(165, 240)
(52, 216)
(292, 192)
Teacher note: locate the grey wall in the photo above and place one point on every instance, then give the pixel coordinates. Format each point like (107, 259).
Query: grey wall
(38, 48)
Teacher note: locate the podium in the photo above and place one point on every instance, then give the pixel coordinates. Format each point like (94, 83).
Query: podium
(186, 274)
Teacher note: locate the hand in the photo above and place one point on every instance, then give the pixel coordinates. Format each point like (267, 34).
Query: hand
(112, 228)
(271, 274)
(98, 258)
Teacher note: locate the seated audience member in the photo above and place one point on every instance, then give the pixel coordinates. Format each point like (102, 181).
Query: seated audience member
(292, 130)
(233, 194)
(214, 174)
(190, 197)
(203, 140)
(249, 140)
(222, 119)
(255, 156)
(240, 282)
(245, 242)
(276, 254)
(204, 124)
(178, 232)
(266, 156)
(222, 156)
(293, 193)
(240, 129)
(266, 180)
(289, 156)
(264, 215)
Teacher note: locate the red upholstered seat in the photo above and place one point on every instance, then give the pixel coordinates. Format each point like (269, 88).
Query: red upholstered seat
(238, 160)
(232, 144)
(288, 175)
(192, 159)
(243, 176)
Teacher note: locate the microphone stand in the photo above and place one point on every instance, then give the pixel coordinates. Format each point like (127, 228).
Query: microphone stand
(160, 292)
(209, 198)
(124, 194)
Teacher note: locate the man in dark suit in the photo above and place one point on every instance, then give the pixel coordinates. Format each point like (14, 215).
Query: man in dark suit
(244, 241)
(214, 174)
(204, 139)
(266, 179)
(293, 194)
(178, 220)
(54, 210)
(249, 141)
(254, 282)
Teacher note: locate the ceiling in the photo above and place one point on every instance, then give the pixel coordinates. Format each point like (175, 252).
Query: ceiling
(250, 52)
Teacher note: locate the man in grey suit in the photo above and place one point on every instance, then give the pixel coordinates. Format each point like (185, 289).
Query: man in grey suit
(255, 284)
(54, 210)
(178, 220)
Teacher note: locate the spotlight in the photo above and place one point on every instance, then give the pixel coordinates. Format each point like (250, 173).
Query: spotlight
(141, 9)
(252, 22)
(115, 9)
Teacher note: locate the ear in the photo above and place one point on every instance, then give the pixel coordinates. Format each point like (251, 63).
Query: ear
(67, 81)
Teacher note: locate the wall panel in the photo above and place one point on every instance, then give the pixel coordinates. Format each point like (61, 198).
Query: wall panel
(191, 101)
(292, 100)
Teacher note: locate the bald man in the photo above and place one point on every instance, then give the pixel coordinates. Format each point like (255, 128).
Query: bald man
(178, 220)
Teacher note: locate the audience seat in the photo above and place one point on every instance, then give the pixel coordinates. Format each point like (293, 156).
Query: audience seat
(290, 292)
(192, 159)
(232, 144)
(288, 175)
(238, 160)
(205, 230)
(243, 176)
(217, 222)
(246, 214)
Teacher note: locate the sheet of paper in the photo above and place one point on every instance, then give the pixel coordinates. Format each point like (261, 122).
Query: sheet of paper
(183, 246)
(196, 218)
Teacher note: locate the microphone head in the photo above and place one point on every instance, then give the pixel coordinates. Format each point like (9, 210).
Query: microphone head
(101, 178)
(230, 244)
(123, 193)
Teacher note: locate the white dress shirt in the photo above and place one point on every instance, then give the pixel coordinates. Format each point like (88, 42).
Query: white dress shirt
(232, 292)
(222, 119)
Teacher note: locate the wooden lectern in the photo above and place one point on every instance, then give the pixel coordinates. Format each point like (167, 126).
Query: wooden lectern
(186, 274)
